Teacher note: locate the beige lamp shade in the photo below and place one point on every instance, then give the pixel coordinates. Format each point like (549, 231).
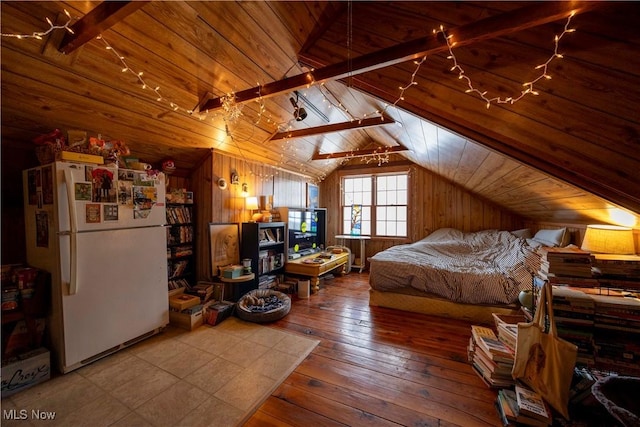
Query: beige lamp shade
(609, 239)
(251, 203)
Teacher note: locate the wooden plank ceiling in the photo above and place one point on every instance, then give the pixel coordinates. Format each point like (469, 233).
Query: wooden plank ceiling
(570, 154)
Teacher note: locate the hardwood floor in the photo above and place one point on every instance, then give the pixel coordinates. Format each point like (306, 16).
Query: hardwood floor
(376, 366)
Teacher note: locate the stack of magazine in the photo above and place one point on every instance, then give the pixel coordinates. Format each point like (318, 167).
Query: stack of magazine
(491, 358)
(522, 406)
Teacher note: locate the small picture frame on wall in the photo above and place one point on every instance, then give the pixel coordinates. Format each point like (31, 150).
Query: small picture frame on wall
(313, 196)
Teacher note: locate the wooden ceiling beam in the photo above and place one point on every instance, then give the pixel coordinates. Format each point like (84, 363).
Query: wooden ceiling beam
(336, 127)
(360, 153)
(485, 29)
(101, 18)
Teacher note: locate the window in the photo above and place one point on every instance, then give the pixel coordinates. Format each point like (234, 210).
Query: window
(375, 205)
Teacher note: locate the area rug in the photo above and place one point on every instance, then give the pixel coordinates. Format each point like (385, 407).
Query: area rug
(211, 376)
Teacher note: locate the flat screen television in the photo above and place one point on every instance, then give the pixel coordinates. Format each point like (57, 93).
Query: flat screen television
(306, 231)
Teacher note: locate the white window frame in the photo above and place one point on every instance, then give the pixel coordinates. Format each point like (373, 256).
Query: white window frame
(374, 208)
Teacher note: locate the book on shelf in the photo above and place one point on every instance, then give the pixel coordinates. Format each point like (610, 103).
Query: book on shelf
(270, 236)
(625, 266)
(567, 261)
(531, 404)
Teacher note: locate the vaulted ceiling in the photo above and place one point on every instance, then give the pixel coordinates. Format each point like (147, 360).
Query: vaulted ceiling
(569, 154)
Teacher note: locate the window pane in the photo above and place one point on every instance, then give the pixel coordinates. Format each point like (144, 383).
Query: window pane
(366, 228)
(402, 229)
(348, 185)
(382, 183)
(366, 199)
(401, 213)
(392, 198)
(381, 228)
(382, 198)
(401, 182)
(391, 228)
(402, 198)
(381, 214)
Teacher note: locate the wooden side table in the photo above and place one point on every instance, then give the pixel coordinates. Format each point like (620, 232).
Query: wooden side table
(238, 286)
(363, 254)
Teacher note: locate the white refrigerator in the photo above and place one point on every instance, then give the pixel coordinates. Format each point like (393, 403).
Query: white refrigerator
(99, 231)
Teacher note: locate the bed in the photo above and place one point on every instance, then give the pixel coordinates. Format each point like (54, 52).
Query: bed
(455, 274)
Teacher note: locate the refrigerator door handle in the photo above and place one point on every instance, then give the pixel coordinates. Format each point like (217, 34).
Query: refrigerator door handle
(73, 218)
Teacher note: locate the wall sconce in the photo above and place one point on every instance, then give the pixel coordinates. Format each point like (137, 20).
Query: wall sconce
(244, 192)
(609, 239)
(251, 203)
(235, 179)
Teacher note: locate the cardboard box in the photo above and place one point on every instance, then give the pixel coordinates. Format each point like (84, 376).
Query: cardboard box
(81, 157)
(25, 371)
(188, 321)
(183, 301)
(216, 311)
(23, 338)
(232, 272)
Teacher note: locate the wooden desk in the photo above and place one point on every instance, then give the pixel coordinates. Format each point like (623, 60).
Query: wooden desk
(315, 270)
(363, 254)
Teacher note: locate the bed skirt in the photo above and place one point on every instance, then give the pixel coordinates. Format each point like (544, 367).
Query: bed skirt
(409, 299)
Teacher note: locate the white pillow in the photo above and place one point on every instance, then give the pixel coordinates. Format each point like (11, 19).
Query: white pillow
(534, 243)
(556, 237)
(525, 233)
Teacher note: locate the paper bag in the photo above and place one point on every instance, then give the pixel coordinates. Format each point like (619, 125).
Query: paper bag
(544, 361)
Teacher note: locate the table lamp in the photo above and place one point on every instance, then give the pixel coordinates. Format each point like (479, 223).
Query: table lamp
(609, 239)
(252, 205)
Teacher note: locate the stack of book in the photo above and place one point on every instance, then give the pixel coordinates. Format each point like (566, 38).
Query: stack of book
(581, 384)
(522, 406)
(491, 358)
(574, 313)
(566, 262)
(204, 290)
(618, 271)
(617, 334)
(507, 327)
(267, 282)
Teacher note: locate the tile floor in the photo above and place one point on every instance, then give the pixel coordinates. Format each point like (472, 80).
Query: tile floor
(212, 376)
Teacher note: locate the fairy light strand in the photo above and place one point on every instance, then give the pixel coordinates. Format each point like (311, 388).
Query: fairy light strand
(40, 34)
(232, 111)
(528, 86)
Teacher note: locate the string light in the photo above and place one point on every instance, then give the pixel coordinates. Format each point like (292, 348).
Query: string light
(232, 111)
(40, 34)
(528, 86)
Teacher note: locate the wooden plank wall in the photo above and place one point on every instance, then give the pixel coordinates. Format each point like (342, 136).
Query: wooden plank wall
(213, 204)
(434, 203)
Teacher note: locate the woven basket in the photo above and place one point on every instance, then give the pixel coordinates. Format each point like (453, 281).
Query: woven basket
(47, 153)
(244, 313)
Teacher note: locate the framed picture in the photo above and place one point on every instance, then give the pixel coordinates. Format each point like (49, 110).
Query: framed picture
(224, 245)
(313, 194)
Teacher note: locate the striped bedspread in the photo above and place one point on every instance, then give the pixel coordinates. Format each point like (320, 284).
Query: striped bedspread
(485, 267)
